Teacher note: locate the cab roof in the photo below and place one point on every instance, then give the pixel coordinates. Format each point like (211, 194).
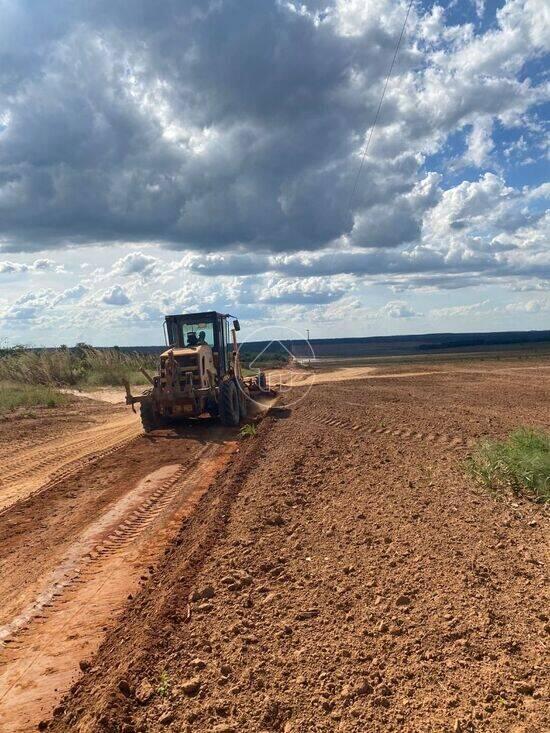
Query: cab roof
(194, 317)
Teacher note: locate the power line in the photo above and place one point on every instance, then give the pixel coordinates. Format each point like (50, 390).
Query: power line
(365, 151)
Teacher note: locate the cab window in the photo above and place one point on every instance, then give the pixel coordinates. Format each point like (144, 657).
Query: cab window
(195, 334)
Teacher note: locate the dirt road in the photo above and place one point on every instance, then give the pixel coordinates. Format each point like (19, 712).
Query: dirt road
(303, 377)
(343, 574)
(86, 513)
(30, 469)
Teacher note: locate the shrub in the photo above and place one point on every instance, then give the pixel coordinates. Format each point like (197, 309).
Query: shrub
(521, 464)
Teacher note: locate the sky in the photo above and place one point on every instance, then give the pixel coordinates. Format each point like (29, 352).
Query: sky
(207, 155)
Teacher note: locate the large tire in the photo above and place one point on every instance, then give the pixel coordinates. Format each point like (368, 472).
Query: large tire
(229, 404)
(212, 407)
(243, 402)
(149, 417)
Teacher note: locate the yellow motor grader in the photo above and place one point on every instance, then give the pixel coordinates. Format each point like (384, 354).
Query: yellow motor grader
(200, 372)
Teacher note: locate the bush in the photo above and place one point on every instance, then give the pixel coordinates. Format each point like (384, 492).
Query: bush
(521, 464)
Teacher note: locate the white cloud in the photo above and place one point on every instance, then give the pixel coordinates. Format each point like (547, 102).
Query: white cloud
(136, 263)
(40, 265)
(31, 306)
(71, 294)
(480, 8)
(460, 310)
(532, 307)
(480, 143)
(398, 309)
(267, 159)
(127, 146)
(536, 305)
(304, 290)
(115, 296)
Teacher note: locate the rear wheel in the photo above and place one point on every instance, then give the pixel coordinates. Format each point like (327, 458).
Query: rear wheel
(149, 417)
(229, 404)
(243, 402)
(212, 408)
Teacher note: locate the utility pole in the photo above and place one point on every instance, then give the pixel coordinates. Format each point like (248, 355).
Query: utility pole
(309, 347)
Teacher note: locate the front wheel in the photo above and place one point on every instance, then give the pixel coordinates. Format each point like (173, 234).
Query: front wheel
(229, 404)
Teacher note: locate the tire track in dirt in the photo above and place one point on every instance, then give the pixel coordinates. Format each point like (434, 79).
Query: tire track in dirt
(448, 440)
(40, 453)
(32, 470)
(18, 445)
(39, 657)
(71, 469)
(92, 548)
(42, 456)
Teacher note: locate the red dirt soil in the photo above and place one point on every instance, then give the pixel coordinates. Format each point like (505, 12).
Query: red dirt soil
(74, 548)
(344, 574)
(42, 447)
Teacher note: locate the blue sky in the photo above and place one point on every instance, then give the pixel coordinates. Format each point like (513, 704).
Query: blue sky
(202, 154)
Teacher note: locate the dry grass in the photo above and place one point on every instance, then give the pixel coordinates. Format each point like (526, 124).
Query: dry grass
(80, 367)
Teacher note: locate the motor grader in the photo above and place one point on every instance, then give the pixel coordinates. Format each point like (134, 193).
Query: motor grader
(200, 372)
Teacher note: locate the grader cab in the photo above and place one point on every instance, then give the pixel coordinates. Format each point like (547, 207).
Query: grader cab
(200, 372)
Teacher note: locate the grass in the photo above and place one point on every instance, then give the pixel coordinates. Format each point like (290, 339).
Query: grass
(113, 376)
(82, 366)
(32, 377)
(521, 463)
(248, 431)
(248, 372)
(165, 684)
(14, 395)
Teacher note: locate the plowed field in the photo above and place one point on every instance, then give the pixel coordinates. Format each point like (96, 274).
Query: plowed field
(339, 571)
